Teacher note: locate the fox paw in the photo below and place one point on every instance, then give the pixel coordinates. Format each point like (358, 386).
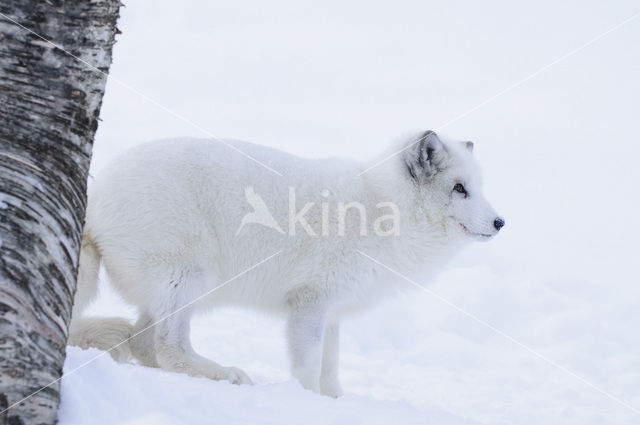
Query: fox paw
(331, 388)
(235, 376)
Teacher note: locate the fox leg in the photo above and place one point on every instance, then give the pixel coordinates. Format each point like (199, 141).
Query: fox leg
(329, 380)
(305, 332)
(172, 343)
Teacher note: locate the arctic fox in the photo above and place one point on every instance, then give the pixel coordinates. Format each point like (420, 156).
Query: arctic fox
(185, 225)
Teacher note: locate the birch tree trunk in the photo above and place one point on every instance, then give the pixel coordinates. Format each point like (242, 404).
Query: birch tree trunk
(49, 107)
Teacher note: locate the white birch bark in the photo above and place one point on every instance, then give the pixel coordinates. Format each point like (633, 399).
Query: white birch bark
(49, 108)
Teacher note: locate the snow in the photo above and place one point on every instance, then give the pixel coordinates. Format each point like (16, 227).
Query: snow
(205, 401)
(335, 78)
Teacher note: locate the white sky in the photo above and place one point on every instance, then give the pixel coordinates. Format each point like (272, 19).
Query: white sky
(343, 78)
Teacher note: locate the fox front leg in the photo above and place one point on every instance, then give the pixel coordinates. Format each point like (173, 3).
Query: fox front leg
(329, 380)
(305, 333)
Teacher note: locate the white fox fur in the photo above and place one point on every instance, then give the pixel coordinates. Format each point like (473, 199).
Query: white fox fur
(165, 221)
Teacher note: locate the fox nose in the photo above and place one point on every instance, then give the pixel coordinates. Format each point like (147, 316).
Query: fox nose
(498, 223)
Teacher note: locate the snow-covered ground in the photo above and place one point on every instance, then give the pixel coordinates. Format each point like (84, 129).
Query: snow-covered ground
(560, 154)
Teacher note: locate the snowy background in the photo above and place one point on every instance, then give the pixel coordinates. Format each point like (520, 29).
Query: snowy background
(560, 155)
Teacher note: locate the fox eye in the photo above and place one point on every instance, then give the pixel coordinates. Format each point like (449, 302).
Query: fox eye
(460, 189)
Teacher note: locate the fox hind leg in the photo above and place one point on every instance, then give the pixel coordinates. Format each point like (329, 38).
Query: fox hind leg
(172, 344)
(142, 342)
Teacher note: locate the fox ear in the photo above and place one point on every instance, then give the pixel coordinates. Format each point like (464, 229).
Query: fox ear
(425, 156)
(469, 146)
